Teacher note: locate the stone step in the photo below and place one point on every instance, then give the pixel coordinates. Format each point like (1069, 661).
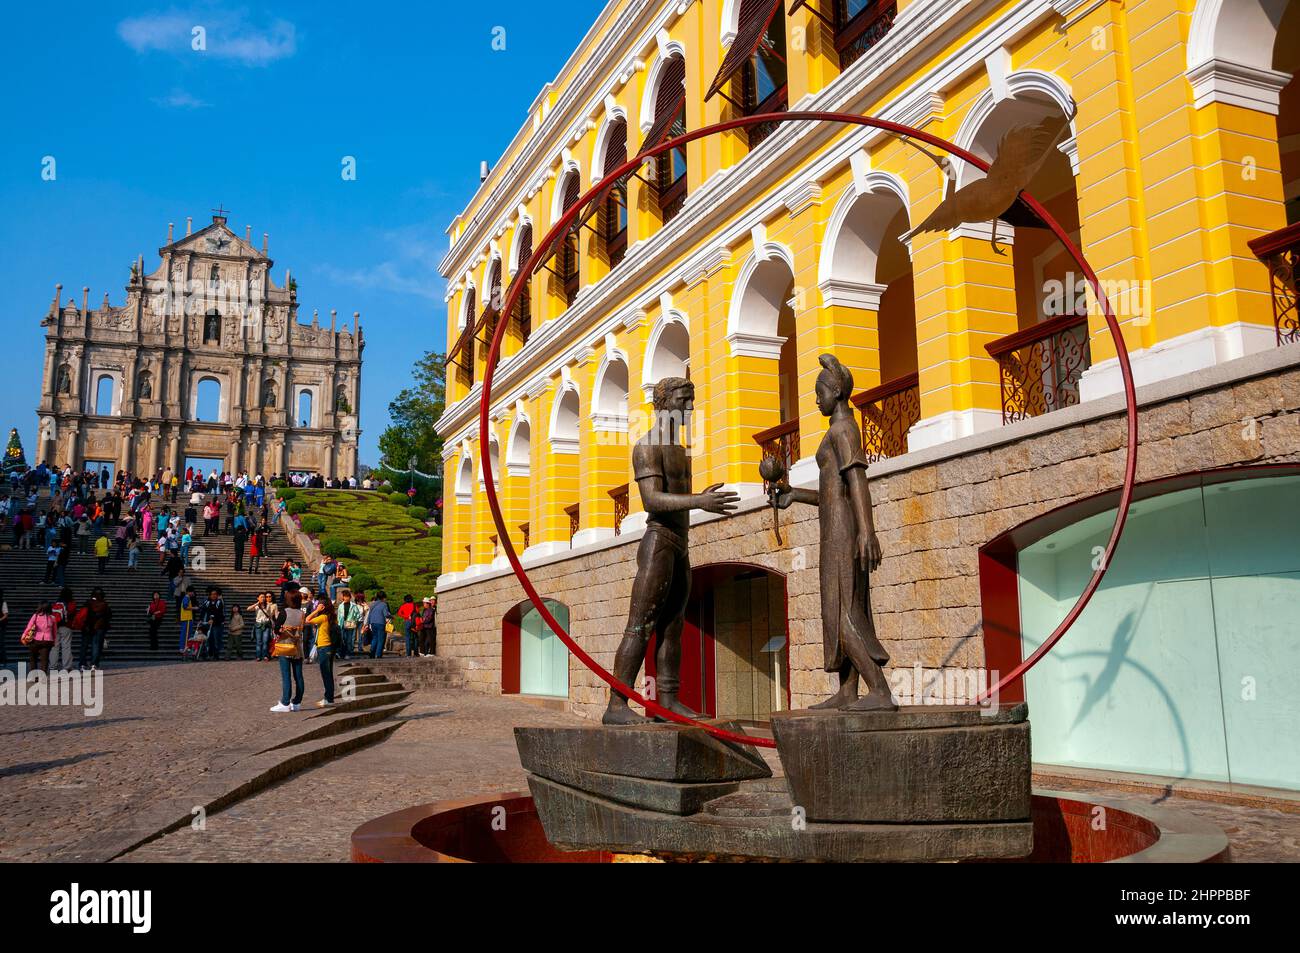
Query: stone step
(337, 721)
(361, 702)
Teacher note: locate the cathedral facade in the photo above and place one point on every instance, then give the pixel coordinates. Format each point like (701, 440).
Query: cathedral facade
(206, 363)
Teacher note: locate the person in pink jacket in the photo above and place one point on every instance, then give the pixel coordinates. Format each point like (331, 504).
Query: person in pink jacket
(39, 637)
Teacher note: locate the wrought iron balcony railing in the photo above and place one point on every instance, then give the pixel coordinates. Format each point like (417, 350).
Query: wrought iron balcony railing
(1041, 366)
(781, 442)
(1280, 252)
(863, 31)
(888, 413)
(621, 502)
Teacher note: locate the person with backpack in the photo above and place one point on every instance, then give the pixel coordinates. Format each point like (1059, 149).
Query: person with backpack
(263, 625)
(349, 617)
(95, 628)
(287, 649)
(376, 626)
(69, 619)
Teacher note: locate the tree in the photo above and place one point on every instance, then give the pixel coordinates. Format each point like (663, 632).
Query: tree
(413, 412)
(15, 460)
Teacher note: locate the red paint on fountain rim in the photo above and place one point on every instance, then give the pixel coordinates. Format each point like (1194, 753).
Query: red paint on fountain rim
(504, 828)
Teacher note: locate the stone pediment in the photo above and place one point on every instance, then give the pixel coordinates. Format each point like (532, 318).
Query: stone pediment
(216, 239)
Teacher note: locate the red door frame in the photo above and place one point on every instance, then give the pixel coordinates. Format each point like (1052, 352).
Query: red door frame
(698, 657)
(999, 557)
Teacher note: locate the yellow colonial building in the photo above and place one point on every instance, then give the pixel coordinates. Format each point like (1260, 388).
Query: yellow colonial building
(988, 384)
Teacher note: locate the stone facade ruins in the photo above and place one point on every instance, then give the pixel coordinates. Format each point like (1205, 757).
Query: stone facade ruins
(205, 360)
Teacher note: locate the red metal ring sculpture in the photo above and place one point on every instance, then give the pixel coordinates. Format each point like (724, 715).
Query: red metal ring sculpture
(541, 254)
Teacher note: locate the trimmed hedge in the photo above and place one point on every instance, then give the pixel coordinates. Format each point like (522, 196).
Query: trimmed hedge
(363, 582)
(313, 525)
(419, 512)
(333, 546)
(390, 548)
(279, 484)
(397, 499)
(297, 507)
(287, 494)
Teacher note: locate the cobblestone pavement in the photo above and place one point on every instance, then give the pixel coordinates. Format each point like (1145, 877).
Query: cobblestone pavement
(459, 744)
(455, 744)
(64, 774)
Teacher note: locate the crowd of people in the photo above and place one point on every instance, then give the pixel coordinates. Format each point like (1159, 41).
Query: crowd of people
(315, 618)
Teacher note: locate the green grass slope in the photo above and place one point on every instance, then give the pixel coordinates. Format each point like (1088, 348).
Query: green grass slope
(394, 549)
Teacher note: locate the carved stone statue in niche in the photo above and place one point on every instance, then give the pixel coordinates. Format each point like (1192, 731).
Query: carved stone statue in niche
(144, 387)
(212, 328)
(268, 394)
(63, 380)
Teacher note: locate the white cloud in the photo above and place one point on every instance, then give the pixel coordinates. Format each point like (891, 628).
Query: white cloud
(225, 35)
(180, 99)
(412, 268)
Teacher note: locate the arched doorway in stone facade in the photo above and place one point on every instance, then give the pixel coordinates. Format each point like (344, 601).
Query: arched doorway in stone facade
(735, 643)
(533, 659)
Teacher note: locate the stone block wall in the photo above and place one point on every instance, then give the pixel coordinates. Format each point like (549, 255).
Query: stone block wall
(933, 511)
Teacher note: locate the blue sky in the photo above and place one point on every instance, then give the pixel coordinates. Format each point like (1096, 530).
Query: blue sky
(145, 130)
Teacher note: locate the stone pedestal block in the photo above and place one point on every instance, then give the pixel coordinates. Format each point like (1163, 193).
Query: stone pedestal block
(917, 765)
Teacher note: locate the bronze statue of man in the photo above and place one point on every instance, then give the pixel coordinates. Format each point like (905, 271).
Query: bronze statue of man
(662, 468)
(849, 548)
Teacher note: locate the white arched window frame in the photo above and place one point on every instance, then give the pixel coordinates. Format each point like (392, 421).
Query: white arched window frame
(756, 304)
(1230, 49)
(465, 477)
(566, 413)
(855, 235)
(519, 448)
(667, 352)
(610, 394)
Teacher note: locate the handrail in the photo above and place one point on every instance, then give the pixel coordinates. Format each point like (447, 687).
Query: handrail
(1033, 334)
(887, 389)
(783, 429)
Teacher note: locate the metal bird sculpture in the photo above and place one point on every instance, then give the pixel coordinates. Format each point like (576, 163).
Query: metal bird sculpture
(1020, 155)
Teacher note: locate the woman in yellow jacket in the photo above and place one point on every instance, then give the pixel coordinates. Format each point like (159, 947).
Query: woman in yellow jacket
(323, 617)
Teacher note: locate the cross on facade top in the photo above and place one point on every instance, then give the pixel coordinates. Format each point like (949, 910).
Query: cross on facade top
(220, 212)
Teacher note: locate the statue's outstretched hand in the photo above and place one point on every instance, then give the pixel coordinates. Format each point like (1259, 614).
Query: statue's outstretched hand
(716, 500)
(784, 496)
(868, 551)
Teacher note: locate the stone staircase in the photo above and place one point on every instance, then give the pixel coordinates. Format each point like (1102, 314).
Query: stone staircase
(417, 674)
(22, 573)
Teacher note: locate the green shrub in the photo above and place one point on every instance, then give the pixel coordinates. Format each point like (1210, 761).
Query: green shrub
(333, 546)
(313, 524)
(419, 512)
(363, 582)
(296, 507)
(397, 499)
(279, 484)
(435, 530)
(287, 494)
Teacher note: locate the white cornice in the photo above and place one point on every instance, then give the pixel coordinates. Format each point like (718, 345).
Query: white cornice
(851, 294)
(1223, 81)
(748, 344)
(601, 73)
(922, 29)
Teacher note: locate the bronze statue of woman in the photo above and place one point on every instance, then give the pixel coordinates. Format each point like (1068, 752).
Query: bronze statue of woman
(849, 548)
